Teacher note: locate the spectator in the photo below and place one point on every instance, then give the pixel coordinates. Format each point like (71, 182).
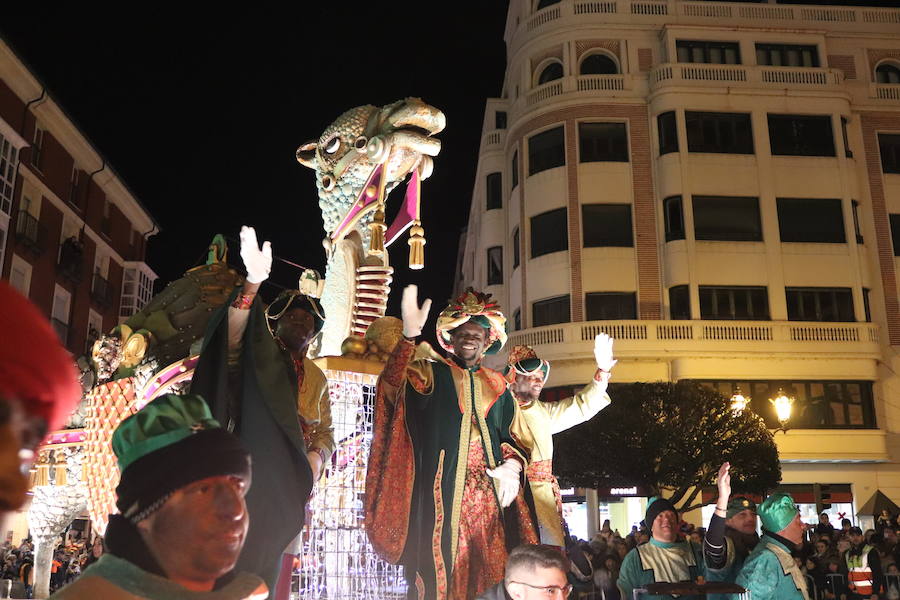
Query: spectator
(824, 526)
(862, 566)
(884, 520)
(531, 572)
(845, 526)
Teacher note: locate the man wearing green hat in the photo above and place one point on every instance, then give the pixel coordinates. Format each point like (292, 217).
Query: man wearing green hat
(770, 572)
(182, 516)
(528, 374)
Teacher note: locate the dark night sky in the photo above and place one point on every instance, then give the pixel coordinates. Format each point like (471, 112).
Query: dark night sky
(201, 118)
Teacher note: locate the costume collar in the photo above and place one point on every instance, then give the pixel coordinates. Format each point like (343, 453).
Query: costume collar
(459, 363)
(660, 544)
(788, 544)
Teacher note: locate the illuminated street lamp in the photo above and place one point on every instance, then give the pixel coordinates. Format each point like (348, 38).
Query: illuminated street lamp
(738, 401)
(783, 406)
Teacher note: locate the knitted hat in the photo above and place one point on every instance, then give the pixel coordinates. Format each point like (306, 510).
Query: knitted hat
(739, 504)
(168, 444)
(777, 511)
(656, 506)
(477, 307)
(34, 367)
(523, 360)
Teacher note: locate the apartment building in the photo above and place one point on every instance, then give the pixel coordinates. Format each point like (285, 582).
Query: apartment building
(717, 186)
(72, 235)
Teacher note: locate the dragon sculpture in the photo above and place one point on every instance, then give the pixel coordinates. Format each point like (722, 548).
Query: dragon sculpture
(363, 155)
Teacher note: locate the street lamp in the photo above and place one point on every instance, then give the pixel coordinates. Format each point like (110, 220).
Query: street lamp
(738, 401)
(783, 407)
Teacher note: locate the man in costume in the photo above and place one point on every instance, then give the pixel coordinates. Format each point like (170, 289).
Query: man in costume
(665, 559)
(182, 519)
(38, 389)
(544, 419)
(731, 535)
(267, 391)
(444, 493)
(862, 566)
(770, 572)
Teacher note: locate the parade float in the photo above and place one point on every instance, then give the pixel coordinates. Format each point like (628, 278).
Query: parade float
(358, 160)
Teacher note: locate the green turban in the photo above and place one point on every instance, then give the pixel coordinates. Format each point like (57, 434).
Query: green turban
(777, 511)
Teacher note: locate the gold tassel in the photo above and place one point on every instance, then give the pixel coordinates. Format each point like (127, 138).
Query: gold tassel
(61, 475)
(43, 475)
(416, 243)
(376, 229)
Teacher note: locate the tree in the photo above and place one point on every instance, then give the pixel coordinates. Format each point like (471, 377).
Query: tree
(668, 437)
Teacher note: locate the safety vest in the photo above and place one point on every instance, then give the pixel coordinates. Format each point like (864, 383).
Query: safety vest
(859, 572)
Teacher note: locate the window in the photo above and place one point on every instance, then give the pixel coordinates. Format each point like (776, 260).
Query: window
(847, 152)
(4, 234)
(855, 206)
(811, 220)
(674, 218)
(515, 248)
(551, 72)
(787, 55)
(9, 156)
(105, 224)
(514, 176)
(73, 186)
(602, 142)
(726, 218)
(679, 302)
(817, 404)
(500, 119)
(866, 306)
(545, 3)
(735, 303)
(495, 265)
(719, 53)
(610, 306)
(889, 144)
(799, 135)
(494, 191)
(549, 232)
(598, 64)
(546, 150)
(59, 317)
(550, 311)
(37, 146)
(887, 73)
(668, 132)
(20, 275)
(820, 304)
(606, 225)
(137, 288)
(517, 320)
(895, 233)
(726, 133)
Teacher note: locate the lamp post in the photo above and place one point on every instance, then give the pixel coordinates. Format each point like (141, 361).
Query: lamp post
(783, 406)
(738, 401)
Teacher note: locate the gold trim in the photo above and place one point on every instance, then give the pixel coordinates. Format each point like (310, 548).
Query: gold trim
(440, 569)
(462, 458)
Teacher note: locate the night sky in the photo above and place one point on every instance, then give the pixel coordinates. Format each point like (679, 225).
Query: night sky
(201, 119)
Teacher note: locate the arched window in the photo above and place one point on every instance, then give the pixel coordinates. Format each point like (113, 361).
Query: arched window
(599, 64)
(887, 73)
(545, 3)
(551, 72)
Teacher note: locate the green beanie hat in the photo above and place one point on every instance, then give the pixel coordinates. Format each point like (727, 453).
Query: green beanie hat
(777, 511)
(170, 443)
(739, 504)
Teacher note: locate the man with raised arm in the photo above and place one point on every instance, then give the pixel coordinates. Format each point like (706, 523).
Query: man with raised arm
(444, 488)
(542, 420)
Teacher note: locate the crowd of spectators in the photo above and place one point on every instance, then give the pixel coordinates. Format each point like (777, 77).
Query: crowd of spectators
(70, 558)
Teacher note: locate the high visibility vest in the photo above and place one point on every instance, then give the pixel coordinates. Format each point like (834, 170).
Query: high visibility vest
(859, 572)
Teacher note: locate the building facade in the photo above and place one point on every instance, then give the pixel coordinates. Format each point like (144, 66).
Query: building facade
(717, 186)
(72, 235)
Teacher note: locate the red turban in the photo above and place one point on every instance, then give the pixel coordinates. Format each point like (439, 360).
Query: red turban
(34, 366)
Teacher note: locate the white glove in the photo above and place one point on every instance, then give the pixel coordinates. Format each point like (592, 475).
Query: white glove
(414, 317)
(603, 352)
(257, 261)
(507, 476)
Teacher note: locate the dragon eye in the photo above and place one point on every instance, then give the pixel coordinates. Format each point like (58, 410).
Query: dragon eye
(361, 143)
(332, 145)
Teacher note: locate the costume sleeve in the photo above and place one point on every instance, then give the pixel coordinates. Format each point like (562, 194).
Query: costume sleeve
(401, 366)
(581, 407)
(509, 445)
(237, 325)
(321, 434)
(628, 574)
(715, 548)
(761, 576)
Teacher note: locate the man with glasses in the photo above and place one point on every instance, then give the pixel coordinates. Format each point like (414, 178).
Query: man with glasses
(532, 573)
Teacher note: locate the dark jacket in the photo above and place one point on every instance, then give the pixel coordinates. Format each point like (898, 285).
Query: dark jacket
(495, 592)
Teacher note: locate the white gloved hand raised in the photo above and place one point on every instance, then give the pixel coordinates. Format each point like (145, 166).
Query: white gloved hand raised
(507, 476)
(414, 317)
(603, 352)
(257, 261)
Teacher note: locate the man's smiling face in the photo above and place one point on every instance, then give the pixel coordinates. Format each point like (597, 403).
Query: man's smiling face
(469, 341)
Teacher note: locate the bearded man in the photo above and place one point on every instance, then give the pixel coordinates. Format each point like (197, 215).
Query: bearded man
(445, 493)
(542, 420)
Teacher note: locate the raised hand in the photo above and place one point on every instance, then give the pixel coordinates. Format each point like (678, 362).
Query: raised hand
(723, 483)
(257, 261)
(603, 352)
(414, 317)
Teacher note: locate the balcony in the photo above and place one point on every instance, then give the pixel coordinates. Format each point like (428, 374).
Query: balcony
(745, 76)
(71, 260)
(100, 291)
(493, 140)
(885, 91)
(591, 87)
(29, 232)
(656, 339)
(62, 330)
